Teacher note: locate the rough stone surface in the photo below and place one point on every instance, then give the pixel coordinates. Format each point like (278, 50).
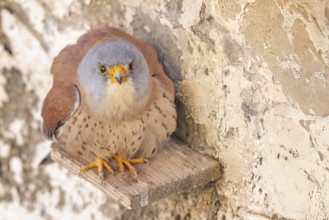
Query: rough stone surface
(252, 91)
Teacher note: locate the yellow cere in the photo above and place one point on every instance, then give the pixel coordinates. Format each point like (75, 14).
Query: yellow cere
(114, 72)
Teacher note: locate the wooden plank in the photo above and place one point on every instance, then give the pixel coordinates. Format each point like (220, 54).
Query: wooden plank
(174, 168)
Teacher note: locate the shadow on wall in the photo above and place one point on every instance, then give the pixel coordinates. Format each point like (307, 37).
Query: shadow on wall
(162, 40)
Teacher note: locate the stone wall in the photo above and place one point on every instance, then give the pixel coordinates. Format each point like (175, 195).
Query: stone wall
(251, 80)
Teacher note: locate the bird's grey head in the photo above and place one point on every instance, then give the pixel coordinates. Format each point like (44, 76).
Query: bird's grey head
(115, 76)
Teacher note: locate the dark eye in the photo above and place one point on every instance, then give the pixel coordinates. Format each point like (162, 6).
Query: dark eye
(102, 69)
(131, 67)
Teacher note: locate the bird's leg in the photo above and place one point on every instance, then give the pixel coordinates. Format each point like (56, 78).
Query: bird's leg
(99, 163)
(122, 161)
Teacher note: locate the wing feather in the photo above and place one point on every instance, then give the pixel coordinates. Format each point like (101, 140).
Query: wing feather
(60, 104)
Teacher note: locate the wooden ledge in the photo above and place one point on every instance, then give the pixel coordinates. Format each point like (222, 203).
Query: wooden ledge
(174, 168)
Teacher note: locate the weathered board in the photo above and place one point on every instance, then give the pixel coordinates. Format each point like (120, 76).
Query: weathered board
(174, 168)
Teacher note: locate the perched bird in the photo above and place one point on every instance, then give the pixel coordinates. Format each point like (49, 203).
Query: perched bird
(110, 99)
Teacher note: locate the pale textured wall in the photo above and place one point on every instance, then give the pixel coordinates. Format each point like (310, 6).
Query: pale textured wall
(252, 91)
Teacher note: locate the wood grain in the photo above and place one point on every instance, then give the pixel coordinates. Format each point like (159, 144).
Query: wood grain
(174, 168)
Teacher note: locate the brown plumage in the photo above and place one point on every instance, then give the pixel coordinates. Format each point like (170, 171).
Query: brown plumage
(83, 134)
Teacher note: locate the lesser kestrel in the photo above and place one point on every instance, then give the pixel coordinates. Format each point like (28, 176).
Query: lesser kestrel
(110, 99)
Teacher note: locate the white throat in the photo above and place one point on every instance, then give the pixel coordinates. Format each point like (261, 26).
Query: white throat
(117, 101)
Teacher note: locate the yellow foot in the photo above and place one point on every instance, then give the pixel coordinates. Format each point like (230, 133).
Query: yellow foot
(122, 161)
(100, 163)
